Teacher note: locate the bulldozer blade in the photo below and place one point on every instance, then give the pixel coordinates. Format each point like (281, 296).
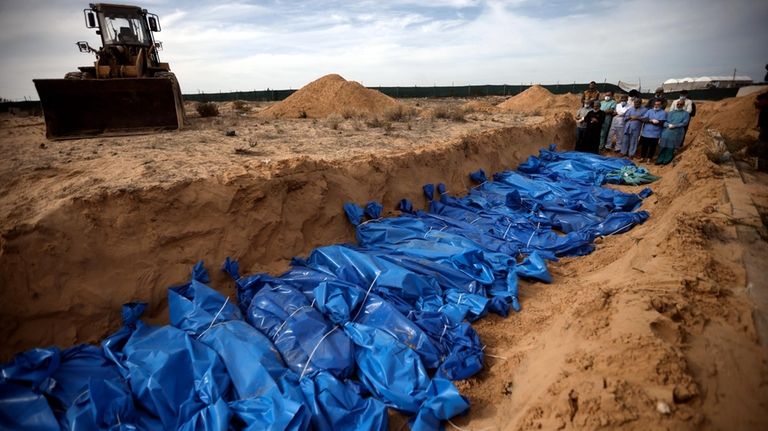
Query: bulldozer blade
(82, 108)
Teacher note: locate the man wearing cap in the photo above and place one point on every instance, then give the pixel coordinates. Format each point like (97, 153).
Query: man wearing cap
(687, 103)
(688, 106)
(617, 124)
(633, 122)
(653, 124)
(673, 132)
(590, 94)
(659, 95)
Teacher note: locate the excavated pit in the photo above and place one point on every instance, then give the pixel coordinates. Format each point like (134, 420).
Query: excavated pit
(66, 272)
(653, 330)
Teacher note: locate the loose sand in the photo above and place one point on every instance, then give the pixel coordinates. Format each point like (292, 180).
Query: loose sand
(330, 95)
(655, 319)
(538, 99)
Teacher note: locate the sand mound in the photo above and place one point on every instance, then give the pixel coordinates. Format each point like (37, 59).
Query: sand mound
(735, 118)
(330, 95)
(539, 99)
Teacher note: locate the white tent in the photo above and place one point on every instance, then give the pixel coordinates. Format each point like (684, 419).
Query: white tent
(628, 86)
(705, 82)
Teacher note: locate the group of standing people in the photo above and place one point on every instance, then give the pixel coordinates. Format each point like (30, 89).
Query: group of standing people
(623, 126)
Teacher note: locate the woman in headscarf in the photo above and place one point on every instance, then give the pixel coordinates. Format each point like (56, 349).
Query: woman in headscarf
(594, 119)
(673, 133)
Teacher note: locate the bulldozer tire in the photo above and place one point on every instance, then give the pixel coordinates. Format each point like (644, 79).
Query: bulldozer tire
(73, 75)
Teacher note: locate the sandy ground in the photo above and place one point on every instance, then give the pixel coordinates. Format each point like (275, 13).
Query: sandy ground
(654, 330)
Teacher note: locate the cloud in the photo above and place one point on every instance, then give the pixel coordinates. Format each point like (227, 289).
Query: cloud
(276, 44)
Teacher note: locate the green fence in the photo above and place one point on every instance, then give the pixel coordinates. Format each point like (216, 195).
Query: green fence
(413, 92)
(404, 92)
(453, 91)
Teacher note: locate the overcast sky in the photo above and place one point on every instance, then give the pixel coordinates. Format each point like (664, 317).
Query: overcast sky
(253, 45)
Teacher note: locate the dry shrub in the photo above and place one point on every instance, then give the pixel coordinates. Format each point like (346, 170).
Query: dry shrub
(333, 122)
(207, 109)
(241, 105)
(349, 114)
(453, 113)
(399, 113)
(375, 122)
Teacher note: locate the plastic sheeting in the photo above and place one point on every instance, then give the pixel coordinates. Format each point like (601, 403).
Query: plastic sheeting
(346, 333)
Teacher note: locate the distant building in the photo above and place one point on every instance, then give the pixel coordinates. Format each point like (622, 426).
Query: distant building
(705, 82)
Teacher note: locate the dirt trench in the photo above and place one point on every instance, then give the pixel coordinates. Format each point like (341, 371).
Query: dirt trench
(65, 274)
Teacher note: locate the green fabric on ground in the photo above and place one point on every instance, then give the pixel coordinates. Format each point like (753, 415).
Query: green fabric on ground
(632, 175)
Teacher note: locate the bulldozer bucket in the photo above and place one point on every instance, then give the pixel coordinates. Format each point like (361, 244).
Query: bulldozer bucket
(81, 108)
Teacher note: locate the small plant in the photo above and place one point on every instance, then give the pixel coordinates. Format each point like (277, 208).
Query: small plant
(453, 113)
(303, 114)
(378, 122)
(207, 109)
(349, 114)
(333, 122)
(241, 105)
(399, 113)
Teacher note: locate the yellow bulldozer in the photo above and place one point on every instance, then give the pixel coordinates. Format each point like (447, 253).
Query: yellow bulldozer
(126, 91)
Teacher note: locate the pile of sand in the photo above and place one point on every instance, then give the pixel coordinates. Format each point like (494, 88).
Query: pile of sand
(539, 99)
(735, 118)
(330, 95)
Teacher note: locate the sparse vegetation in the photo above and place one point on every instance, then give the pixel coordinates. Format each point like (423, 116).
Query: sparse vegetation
(453, 113)
(333, 122)
(349, 114)
(378, 122)
(303, 114)
(207, 109)
(399, 113)
(241, 105)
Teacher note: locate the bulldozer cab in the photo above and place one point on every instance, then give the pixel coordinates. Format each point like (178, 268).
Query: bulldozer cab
(126, 90)
(123, 26)
(114, 21)
(126, 36)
